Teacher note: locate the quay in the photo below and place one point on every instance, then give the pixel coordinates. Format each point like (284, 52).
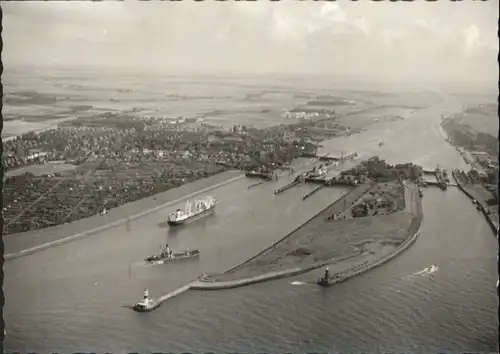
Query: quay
(263, 175)
(328, 157)
(317, 189)
(481, 204)
(258, 183)
(296, 182)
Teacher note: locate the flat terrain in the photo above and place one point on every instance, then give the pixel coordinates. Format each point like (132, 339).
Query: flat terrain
(260, 101)
(481, 113)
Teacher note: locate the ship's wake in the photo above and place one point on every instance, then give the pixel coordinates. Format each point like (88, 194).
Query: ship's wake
(298, 283)
(427, 271)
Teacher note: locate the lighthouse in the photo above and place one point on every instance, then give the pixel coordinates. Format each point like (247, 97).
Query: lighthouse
(146, 295)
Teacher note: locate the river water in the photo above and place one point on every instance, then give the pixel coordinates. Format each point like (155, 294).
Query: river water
(71, 298)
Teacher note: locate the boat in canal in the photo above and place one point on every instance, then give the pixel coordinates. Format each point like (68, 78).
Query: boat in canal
(166, 255)
(192, 211)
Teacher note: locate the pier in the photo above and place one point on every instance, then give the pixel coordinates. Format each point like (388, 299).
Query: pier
(312, 192)
(296, 182)
(258, 184)
(328, 157)
(254, 174)
(158, 301)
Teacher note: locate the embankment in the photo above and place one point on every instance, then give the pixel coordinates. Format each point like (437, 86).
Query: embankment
(480, 203)
(411, 236)
(336, 207)
(208, 284)
(18, 245)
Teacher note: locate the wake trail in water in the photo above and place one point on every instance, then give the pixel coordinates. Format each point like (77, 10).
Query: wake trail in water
(427, 271)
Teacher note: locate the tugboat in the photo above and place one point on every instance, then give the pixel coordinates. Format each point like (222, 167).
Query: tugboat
(201, 208)
(146, 304)
(327, 279)
(166, 255)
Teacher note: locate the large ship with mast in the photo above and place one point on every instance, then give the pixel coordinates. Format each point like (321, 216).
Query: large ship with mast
(192, 211)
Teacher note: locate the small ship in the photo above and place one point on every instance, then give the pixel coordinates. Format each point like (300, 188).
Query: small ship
(166, 255)
(202, 207)
(327, 279)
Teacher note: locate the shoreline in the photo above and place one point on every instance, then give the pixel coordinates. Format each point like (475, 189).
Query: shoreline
(356, 270)
(157, 202)
(489, 220)
(463, 187)
(411, 234)
(365, 188)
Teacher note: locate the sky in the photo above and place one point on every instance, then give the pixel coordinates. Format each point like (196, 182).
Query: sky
(441, 40)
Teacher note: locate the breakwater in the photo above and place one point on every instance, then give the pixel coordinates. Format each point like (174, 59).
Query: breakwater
(258, 183)
(413, 232)
(114, 223)
(312, 192)
(280, 190)
(209, 284)
(343, 202)
(480, 203)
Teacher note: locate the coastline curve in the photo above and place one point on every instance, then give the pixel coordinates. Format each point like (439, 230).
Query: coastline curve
(356, 270)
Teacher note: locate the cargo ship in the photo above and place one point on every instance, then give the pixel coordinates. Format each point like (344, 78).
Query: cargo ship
(201, 208)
